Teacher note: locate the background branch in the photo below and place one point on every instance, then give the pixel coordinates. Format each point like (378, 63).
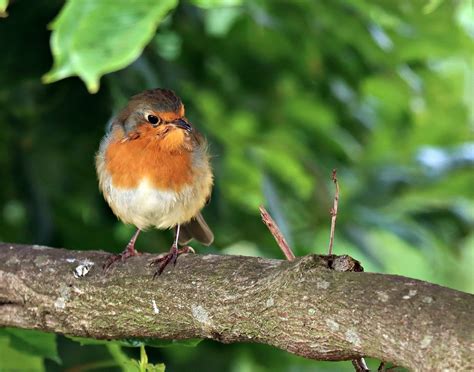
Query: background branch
(302, 306)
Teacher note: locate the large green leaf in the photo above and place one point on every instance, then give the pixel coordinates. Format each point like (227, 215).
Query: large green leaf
(31, 342)
(92, 38)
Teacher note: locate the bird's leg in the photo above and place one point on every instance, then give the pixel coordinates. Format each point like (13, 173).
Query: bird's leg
(171, 256)
(129, 251)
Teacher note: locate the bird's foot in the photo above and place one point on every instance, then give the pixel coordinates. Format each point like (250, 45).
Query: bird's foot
(165, 259)
(128, 252)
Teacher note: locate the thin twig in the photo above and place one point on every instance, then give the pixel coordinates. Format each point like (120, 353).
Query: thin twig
(277, 234)
(333, 212)
(359, 363)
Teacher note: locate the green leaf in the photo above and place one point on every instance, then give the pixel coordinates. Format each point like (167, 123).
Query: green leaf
(132, 365)
(13, 360)
(155, 367)
(3, 8)
(118, 355)
(148, 367)
(92, 38)
(34, 343)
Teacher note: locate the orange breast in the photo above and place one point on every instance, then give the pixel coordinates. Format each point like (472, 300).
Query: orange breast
(162, 163)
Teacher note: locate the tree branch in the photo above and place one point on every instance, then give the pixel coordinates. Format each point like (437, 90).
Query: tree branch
(303, 306)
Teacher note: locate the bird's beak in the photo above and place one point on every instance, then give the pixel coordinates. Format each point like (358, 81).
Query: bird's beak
(183, 124)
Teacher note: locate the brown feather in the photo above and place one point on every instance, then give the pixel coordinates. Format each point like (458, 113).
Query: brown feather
(196, 229)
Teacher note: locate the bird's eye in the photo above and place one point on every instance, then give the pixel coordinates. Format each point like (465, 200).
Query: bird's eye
(153, 119)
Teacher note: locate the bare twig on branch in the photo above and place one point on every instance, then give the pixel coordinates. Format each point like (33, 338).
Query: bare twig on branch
(277, 234)
(359, 364)
(333, 212)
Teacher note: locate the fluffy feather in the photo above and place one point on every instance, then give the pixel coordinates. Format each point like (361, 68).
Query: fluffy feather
(153, 178)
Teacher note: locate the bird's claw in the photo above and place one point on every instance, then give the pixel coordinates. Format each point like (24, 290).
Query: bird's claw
(186, 249)
(127, 253)
(171, 257)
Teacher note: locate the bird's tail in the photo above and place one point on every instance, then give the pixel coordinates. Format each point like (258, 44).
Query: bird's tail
(197, 229)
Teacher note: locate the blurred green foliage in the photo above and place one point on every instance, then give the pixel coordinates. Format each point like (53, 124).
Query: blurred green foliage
(285, 91)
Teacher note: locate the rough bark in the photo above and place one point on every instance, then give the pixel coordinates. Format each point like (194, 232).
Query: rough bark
(304, 306)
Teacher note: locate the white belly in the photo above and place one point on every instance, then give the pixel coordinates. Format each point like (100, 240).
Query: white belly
(146, 206)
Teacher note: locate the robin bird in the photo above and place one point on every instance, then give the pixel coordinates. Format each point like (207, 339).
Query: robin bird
(154, 171)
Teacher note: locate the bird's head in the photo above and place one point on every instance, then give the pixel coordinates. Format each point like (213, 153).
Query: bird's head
(157, 112)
